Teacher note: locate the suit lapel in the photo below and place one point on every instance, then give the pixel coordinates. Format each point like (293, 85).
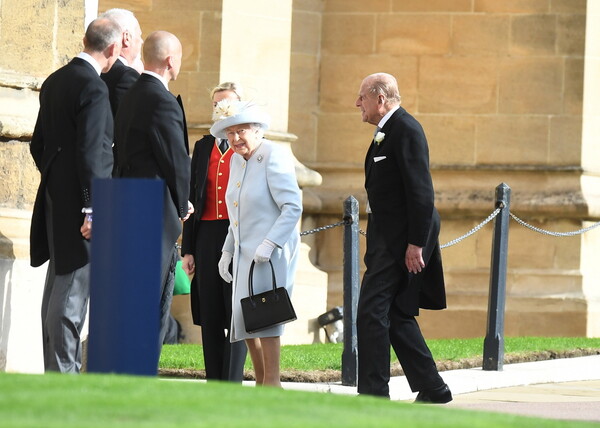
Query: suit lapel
(369, 161)
(185, 132)
(374, 148)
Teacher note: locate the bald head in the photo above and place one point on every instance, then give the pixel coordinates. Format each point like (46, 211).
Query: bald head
(158, 46)
(377, 96)
(383, 84)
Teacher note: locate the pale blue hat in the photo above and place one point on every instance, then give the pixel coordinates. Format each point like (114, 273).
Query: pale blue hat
(229, 113)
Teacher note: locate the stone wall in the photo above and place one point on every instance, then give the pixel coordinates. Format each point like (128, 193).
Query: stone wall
(36, 39)
(499, 89)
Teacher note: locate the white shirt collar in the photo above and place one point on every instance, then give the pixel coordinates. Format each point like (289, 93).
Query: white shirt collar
(90, 59)
(159, 77)
(385, 118)
(123, 60)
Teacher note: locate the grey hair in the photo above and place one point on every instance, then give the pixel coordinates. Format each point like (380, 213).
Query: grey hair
(228, 86)
(101, 33)
(386, 85)
(257, 127)
(125, 18)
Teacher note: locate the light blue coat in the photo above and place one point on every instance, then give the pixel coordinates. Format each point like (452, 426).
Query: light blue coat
(263, 201)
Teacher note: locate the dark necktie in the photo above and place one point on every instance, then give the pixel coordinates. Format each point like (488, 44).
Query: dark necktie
(223, 146)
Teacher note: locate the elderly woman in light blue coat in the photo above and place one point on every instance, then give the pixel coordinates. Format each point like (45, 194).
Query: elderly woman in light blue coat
(264, 207)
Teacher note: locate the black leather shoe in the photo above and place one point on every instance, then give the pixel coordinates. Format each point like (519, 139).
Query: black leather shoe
(440, 395)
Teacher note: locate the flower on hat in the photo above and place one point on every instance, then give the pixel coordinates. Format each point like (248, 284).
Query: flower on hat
(225, 108)
(379, 137)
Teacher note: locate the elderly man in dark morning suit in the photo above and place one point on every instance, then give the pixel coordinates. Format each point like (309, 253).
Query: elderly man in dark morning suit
(403, 260)
(122, 75)
(151, 140)
(71, 145)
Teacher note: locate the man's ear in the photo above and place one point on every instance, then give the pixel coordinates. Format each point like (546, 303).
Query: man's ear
(113, 50)
(169, 60)
(126, 38)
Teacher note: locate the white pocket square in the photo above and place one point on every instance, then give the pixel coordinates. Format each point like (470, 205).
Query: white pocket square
(379, 158)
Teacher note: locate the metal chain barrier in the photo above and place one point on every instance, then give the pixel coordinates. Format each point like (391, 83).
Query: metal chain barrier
(549, 233)
(322, 228)
(472, 231)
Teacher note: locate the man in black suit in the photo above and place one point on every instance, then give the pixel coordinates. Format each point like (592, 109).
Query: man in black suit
(71, 145)
(403, 259)
(151, 141)
(122, 75)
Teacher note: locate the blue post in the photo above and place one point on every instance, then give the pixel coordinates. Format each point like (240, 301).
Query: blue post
(351, 279)
(493, 344)
(125, 276)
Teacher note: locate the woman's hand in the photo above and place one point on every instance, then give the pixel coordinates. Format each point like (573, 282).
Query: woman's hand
(264, 251)
(224, 263)
(188, 264)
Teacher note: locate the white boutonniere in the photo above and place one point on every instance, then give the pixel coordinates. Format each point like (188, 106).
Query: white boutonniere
(224, 108)
(379, 137)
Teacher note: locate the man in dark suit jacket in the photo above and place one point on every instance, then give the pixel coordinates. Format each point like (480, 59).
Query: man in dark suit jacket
(71, 145)
(122, 75)
(151, 141)
(403, 260)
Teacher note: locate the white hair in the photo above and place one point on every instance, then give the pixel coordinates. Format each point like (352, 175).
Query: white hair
(125, 18)
(259, 129)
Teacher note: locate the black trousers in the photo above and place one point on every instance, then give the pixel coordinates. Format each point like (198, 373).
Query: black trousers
(380, 322)
(211, 306)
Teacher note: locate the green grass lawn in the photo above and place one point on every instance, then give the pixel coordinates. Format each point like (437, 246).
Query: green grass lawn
(91, 400)
(328, 356)
(65, 401)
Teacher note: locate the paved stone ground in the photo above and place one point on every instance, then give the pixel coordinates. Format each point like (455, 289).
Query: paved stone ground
(565, 388)
(565, 400)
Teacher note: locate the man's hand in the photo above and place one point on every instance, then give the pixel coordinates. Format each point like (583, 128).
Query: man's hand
(414, 258)
(86, 227)
(190, 211)
(188, 264)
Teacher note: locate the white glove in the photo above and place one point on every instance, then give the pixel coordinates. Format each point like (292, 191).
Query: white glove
(224, 263)
(264, 251)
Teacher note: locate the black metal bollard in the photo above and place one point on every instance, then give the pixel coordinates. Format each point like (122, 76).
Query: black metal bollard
(351, 278)
(493, 344)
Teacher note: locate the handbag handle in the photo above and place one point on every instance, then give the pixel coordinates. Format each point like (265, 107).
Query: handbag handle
(250, 285)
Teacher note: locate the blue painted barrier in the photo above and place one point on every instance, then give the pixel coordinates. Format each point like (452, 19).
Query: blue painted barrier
(125, 276)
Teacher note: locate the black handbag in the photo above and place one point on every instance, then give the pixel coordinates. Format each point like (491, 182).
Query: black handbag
(267, 309)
